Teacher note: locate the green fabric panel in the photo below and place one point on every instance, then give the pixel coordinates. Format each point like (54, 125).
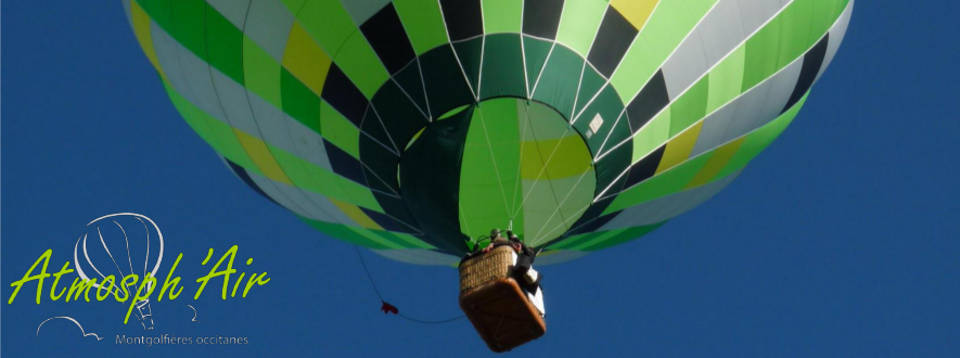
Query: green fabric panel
(726, 80)
(218, 134)
(502, 67)
(187, 24)
(579, 24)
(559, 80)
(787, 37)
(358, 61)
(760, 139)
(502, 16)
(590, 83)
(666, 183)
(261, 73)
(535, 55)
(224, 45)
(339, 130)
(618, 238)
(654, 134)
(344, 233)
(310, 177)
(489, 178)
(578, 241)
(299, 101)
(327, 22)
(690, 107)
(407, 240)
(423, 22)
(668, 25)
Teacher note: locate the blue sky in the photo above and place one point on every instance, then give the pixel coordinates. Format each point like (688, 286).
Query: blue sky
(840, 240)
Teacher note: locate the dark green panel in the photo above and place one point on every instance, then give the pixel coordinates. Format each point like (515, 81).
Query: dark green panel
(535, 54)
(469, 53)
(224, 42)
(503, 67)
(299, 102)
(430, 181)
(558, 83)
(411, 82)
(590, 84)
(446, 87)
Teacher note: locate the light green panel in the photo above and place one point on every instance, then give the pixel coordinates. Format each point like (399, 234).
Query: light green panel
(579, 23)
(218, 134)
(261, 73)
(690, 107)
(338, 130)
(502, 16)
(327, 22)
(489, 178)
(726, 80)
(358, 61)
(552, 206)
(666, 183)
(668, 25)
(349, 234)
(654, 134)
(760, 139)
(307, 176)
(787, 37)
(423, 22)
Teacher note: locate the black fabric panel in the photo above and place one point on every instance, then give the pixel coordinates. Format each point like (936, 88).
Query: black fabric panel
(430, 180)
(613, 39)
(344, 96)
(386, 222)
(411, 81)
(343, 164)
(646, 167)
(386, 35)
(812, 62)
(446, 87)
(242, 173)
(652, 98)
(469, 53)
(398, 114)
(592, 224)
(372, 127)
(541, 18)
(464, 18)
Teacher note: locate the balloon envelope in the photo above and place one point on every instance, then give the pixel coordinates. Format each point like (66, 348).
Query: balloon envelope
(414, 126)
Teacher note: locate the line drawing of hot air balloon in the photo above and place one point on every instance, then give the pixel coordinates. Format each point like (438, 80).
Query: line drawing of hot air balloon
(115, 230)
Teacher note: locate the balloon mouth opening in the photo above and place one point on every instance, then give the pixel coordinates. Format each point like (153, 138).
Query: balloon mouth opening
(500, 162)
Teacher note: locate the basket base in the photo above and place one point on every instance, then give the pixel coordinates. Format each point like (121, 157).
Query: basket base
(502, 314)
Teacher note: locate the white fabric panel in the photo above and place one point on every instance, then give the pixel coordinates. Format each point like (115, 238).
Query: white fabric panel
(268, 25)
(233, 10)
(302, 202)
(750, 110)
(720, 32)
(186, 73)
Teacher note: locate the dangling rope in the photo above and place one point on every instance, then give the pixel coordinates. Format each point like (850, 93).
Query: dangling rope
(386, 307)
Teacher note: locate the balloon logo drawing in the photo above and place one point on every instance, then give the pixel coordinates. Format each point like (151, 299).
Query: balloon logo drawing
(119, 245)
(83, 331)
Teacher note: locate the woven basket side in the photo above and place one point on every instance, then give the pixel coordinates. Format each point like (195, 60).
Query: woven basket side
(489, 267)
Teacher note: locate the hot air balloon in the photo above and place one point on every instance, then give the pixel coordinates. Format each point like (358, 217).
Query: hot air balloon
(119, 245)
(413, 127)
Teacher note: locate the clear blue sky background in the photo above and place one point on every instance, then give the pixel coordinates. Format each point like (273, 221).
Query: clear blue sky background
(843, 239)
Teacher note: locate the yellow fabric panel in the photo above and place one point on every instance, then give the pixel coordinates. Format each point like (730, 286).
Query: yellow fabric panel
(260, 155)
(570, 159)
(305, 59)
(635, 11)
(721, 156)
(141, 28)
(354, 212)
(678, 150)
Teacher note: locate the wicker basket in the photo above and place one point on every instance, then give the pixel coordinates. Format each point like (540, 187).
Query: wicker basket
(494, 302)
